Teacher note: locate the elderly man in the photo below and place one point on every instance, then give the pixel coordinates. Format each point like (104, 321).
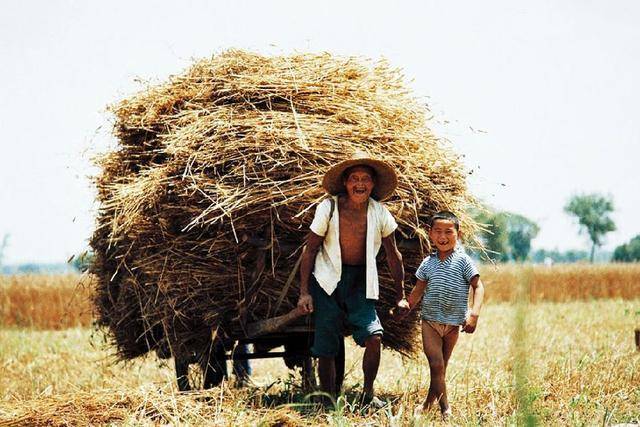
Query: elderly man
(346, 234)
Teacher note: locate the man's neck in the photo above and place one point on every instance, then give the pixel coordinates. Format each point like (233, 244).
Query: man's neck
(355, 206)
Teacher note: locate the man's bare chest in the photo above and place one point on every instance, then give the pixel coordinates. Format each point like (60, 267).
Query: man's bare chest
(353, 227)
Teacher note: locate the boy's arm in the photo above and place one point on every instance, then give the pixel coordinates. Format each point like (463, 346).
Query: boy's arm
(416, 294)
(471, 322)
(412, 300)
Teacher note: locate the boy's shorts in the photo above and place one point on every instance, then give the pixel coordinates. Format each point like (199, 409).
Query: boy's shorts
(442, 329)
(346, 306)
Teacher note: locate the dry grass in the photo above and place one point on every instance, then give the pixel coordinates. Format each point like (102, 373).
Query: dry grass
(567, 282)
(44, 301)
(582, 369)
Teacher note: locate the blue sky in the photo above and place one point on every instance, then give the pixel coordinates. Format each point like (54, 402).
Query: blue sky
(552, 85)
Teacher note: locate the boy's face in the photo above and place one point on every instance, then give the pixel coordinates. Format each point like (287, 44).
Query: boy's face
(359, 184)
(444, 235)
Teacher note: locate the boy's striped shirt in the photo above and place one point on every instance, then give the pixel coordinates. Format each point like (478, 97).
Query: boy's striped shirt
(446, 296)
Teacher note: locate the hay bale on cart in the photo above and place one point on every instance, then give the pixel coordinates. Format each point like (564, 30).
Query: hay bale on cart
(207, 197)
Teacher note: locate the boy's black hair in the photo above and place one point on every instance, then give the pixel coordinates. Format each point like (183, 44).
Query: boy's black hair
(445, 216)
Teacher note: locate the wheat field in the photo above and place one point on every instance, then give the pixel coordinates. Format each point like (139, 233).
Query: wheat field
(561, 356)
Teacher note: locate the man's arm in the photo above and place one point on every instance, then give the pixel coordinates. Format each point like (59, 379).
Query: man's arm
(471, 322)
(394, 259)
(306, 266)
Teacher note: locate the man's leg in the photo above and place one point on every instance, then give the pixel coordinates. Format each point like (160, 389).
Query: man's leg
(327, 318)
(327, 374)
(432, 344)
(370, 363)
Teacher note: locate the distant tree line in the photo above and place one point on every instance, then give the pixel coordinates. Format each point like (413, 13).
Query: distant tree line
(508, 235)
(628, 252)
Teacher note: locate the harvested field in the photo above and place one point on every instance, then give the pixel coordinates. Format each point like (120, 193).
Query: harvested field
(58, 302)
(45, 301)
(564, 282)
(584, 372)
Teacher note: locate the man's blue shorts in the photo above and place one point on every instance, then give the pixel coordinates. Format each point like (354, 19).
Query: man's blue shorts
(348, 307)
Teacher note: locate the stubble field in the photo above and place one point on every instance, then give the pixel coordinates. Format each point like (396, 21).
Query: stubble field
(555, 351)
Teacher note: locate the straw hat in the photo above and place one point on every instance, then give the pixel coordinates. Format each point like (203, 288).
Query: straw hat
(386, 178)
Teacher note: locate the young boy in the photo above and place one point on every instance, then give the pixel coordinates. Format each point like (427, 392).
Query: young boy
(446, 277)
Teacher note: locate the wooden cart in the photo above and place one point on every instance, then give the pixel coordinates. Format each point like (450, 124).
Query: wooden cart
(265, 335)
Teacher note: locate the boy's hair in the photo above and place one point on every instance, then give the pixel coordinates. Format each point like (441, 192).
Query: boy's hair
(445, 216)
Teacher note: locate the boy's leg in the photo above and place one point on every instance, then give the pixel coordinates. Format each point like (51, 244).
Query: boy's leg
(448, 343)
(432, 346)
(438, 351)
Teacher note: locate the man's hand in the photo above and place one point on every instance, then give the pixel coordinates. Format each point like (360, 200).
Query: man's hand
(305, 302)
(470, 323)
(401, 309)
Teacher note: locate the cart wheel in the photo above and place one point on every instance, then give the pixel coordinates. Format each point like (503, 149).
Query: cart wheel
(214, 367)
(182, 374)
(339, 362)
(208, 371)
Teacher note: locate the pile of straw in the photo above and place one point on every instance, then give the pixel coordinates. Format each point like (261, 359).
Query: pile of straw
(207, 199)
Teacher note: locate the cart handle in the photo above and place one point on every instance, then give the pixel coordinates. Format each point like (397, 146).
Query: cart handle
(273, 324)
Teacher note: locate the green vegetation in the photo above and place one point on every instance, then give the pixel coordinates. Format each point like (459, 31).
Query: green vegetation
(592, 212)
(509, 235)
(628, 252)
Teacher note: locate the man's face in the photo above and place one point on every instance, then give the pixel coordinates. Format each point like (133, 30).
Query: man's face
(359, 184)
(444, 235)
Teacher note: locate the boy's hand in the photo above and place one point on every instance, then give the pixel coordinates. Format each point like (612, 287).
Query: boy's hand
(305, 302)
(470, 323)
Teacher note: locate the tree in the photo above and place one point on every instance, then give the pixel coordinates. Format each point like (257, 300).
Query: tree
(592, 212)
(508, 236)
(628, 252)
(521, 231)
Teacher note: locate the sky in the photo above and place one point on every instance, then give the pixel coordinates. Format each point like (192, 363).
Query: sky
(540, 97)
